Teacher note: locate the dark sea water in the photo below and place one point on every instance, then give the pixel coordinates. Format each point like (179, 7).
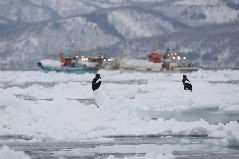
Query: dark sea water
(182, 147)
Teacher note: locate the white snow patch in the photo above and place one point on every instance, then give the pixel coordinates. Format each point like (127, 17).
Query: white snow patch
(134, 24)
(197, 2)
(34, 41)
(232, 134)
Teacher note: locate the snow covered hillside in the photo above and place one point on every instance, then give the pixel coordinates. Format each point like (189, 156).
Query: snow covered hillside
(30, 29)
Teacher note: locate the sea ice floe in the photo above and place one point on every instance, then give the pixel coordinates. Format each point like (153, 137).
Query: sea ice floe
(122, 106)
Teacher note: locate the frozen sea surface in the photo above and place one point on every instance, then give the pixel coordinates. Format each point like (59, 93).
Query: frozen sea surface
(140, 115)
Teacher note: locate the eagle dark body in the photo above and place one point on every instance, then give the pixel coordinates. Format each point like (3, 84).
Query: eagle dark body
(95, 84)
(187, 86)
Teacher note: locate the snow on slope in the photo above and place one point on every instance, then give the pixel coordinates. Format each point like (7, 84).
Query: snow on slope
(85, 29)
(133, 24)
(53, 106)
(65, 8)
(219, 15)
(198, 2)
(199, 13)
(23, 12)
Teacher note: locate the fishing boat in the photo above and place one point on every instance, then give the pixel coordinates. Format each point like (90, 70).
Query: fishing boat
(73, 64)
(157, 62)
(175, 61)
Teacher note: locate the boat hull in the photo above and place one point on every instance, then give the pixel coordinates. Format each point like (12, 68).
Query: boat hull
(187, 69)
(67, 69)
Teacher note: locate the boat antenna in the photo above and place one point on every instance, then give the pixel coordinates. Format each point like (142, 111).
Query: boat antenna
(70, 47)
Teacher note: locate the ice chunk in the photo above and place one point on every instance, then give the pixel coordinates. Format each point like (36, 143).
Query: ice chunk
(232, 134)
(7, 153)
(101, 99)
(150, 155)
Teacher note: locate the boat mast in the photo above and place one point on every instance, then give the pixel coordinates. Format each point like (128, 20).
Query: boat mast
(70, 48)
